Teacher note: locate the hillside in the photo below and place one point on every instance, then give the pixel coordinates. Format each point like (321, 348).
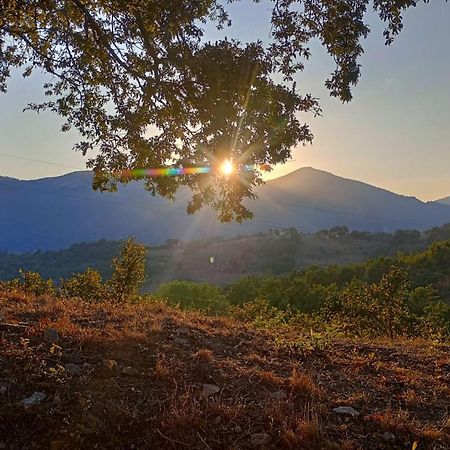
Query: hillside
(125, 376)
(445, 201)
(277, 252)
(54, 213)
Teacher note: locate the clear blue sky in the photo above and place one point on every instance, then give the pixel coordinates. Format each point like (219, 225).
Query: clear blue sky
(394, 134)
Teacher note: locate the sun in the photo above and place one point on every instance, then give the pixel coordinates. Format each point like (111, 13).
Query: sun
(227, 167)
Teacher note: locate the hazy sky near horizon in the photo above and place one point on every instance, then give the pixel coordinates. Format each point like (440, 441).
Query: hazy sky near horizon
(394, 134)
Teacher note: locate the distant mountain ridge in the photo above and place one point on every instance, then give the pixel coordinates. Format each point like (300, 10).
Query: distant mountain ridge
(53, 213)
(444, 201)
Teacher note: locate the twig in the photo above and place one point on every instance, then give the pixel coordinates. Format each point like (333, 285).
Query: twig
(174, 441)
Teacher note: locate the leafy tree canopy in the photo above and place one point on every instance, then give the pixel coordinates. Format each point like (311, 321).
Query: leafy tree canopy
(143, 89)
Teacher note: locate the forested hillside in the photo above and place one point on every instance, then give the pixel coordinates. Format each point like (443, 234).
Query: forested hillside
(221, 261)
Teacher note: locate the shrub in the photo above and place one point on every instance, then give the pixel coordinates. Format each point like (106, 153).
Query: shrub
(87, 285)
(33, 283)
(430, 316)
(190, 295)
(378, 309)
(10, 285)
(129, 271)
(260, 313)
(389, 298)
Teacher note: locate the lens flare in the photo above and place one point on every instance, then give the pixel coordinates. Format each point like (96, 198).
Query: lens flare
(227, 167)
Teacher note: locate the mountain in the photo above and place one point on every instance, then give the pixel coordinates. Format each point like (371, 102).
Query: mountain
(53, 213)
(444, 201)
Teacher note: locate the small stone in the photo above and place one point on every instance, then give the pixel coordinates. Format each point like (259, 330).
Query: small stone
(70, 358)
(51, 336)
(35, 399)
(278, 395)
(182, 330)
(180, 341)
(73, 369)
(166, 322)
(347, 410)
(59, 445)
(129, 371)
(3, 387)
(259, 439)
(387, 436)
(108, 368)
(210, 389)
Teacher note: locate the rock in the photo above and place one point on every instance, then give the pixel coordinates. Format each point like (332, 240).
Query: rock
(74, 369)
(210, 389)
(166, 322)
(59, 445)
(346, 410)
(51, 336)
(92, 420)
(129, 371)
(387, 436)
(278, 395)
(182, 330)
(259, 439)
(35, 399)
(3, 387)
(70, 358)
(180, 341)
(108, 368)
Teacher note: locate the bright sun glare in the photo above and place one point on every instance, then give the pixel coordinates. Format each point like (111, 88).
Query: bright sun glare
(227, 167)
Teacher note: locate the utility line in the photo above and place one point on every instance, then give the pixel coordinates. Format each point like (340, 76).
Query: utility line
(39, 161)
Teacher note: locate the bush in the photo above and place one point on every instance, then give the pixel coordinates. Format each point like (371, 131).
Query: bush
(378, 309)
(33, 283)
(10, 285)
(129, 271)
(259, 313)
(190, 295)
(87, 286)
(430, 316)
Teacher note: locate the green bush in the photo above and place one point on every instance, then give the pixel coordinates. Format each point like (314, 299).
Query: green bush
(129, 271)
(259, 313)
(430, 316)
(33, 283)
(378, 309)
(10, 285)
(87, 286)
(190, 295)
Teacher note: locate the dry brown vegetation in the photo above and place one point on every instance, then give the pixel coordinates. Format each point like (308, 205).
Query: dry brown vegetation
(184, 380)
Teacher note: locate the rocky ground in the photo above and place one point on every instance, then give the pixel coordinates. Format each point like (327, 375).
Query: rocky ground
(74, 375)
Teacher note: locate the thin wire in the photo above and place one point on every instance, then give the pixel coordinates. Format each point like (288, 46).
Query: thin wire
(39, 161)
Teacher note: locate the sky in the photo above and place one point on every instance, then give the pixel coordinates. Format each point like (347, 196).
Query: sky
(395, 133)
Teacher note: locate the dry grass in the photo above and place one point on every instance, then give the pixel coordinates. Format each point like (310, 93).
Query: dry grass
(303, 384)
(287, 395)
(204, 355)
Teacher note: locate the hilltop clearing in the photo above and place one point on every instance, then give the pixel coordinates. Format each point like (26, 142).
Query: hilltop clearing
(147, 376)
